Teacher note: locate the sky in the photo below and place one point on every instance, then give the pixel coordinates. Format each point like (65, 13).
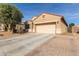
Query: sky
(69, 11)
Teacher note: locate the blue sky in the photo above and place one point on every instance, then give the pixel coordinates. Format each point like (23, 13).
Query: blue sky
(69, 11)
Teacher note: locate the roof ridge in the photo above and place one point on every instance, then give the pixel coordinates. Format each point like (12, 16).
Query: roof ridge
(53, 14)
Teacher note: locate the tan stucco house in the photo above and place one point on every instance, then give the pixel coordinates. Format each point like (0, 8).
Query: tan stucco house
(75, 29)
(48, 23)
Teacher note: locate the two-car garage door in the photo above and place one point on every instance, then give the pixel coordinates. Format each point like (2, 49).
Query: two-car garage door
(46, 28)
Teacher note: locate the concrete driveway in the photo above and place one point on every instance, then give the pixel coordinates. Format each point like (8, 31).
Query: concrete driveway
(60, 45)
(21, 45)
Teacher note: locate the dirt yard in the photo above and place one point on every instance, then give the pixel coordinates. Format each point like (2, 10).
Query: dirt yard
(6, 35)
(60, 45)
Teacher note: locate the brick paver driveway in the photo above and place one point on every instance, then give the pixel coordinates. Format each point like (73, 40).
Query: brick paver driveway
(60, 45)
(23, 44)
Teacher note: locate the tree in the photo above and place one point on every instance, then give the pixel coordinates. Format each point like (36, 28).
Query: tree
(70, 26)
(26, 25)
(9, 16)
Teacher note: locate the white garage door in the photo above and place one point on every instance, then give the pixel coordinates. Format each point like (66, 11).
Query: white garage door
(45, 28)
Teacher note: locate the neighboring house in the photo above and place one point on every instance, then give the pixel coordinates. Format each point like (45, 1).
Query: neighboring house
(75, 29)
(20, 27)
(1, 27)
(48, 23)
(17, 28)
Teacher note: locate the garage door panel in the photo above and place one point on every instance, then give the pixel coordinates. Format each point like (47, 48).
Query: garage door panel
(47, 28)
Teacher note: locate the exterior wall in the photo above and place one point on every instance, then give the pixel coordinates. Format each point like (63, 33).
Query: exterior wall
(63, 27)
(20, 27)
(34, 28)
(75, 29)
(1, 27)
(58, 28)
(45, 18)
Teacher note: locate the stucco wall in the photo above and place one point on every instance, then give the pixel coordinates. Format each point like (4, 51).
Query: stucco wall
(75, 29)
(45, 18)
(58, 28)
(63, 27)
(48, 18)
(1, 27)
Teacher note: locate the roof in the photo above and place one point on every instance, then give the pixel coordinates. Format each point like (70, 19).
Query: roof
(52, 14)
(47, 13)
(34, 18)
(64, 20)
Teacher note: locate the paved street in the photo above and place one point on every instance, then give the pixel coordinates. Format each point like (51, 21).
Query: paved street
(23, 44)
